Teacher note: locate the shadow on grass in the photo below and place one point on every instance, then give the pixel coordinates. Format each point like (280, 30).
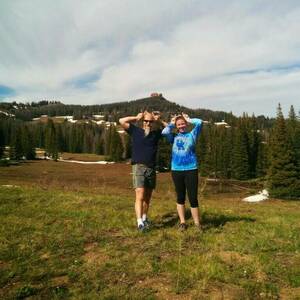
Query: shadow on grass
(170, 219)
(166, 220)
(209, 220)
(215, 220)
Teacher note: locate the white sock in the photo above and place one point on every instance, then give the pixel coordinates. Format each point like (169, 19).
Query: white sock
(140, 222)
(144, 217)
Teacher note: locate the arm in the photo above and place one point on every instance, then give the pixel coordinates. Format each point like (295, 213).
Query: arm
(197, 127)
(167, 132)
(124, 122)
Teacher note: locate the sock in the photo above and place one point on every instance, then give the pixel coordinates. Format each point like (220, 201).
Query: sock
(140, 222)
(144, 217)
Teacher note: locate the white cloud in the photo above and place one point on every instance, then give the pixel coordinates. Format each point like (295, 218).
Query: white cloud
(197, 53)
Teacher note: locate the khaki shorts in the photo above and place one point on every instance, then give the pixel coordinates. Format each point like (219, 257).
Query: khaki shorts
(143, 176)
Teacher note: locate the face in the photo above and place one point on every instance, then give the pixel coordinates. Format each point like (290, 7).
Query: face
(181, 125)
(148, 121)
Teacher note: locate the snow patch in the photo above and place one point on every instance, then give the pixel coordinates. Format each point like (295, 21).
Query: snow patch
(100, 162)
(261, 196)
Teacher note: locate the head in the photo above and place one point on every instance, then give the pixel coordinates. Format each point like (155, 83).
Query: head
(180, 124)
(148, 121)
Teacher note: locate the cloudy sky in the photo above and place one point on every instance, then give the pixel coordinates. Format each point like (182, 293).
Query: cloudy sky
(239, 56)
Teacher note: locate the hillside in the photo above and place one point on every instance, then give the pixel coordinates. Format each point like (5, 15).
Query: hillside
(113, 111)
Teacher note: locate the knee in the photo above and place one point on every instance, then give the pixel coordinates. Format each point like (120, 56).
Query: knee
(180, 201)
(194, 203)
(139, 194)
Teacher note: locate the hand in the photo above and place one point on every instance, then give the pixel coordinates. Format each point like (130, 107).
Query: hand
(173, 118)
(139, 116)
(156, 115)
(187, 118)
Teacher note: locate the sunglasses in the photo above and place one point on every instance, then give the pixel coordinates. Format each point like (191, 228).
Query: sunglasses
(148, 121)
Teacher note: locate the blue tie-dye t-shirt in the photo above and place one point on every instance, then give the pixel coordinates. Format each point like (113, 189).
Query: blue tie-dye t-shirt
(184, 146)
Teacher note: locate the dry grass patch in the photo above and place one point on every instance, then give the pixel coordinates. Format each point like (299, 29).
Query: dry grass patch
(230, 257)
(60, 281)
(94, 255)
(290, 294)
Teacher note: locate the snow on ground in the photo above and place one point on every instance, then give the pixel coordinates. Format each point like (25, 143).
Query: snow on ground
(261, 196)
(100, 162)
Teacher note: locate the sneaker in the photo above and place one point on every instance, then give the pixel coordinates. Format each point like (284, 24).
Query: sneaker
(199, 227)
(147, 223)
(142, 228)
(182, 227)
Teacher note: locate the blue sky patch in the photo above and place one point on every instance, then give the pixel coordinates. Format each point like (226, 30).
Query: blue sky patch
(6, 91)
(83, 81)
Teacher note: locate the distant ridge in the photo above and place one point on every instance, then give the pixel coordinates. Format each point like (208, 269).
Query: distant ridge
(113, 111)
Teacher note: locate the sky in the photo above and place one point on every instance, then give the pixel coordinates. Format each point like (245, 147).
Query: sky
(239, 56)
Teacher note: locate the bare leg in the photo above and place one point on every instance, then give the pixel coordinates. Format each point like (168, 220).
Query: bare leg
(195, 215)
(181, 212)
(146, 200)
(139, 198)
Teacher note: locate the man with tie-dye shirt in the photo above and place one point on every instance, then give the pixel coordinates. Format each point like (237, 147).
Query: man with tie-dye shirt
(184, 164)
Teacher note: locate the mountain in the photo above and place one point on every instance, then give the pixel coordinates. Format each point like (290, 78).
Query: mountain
(113, 111)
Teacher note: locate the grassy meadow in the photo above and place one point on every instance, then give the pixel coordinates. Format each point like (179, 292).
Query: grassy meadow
(68, 231)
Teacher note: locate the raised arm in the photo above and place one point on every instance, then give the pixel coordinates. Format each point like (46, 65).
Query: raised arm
(197, 127)
(167, 131)
(124, 122)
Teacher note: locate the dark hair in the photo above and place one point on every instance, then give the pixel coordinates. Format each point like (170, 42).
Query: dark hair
(180, 117)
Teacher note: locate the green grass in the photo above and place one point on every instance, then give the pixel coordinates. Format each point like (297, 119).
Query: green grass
(57, 244)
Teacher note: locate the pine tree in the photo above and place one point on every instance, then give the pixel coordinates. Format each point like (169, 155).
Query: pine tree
(16, 151)
(107, 139)
(163, 155)
(240, 162)
(201, 151)
(28, 144)
(262, 159)
(283, 174)
(51, 140)
(99, 145)
(2, 139)
(116, 147)
(209, 153)
(128, 146)
(293, 127)
(225, 152)
(253, 138)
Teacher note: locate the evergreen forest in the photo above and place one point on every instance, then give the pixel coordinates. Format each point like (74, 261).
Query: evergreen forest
(241, 148)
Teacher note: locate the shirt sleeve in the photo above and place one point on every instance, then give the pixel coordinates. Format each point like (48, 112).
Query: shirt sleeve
(167, 132)
(197, 129)
(130, 129)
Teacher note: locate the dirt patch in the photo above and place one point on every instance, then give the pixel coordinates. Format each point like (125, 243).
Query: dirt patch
(93, 254)
(45, 256)
(290, 293)
(222, 292)
(60, 281)
(162, 288)
(4, 265)
(232, 256)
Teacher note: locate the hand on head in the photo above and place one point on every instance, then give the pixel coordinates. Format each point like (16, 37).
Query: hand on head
(139, 116)
(148, 117)
(156, 115)
(186, 117)
(173, 119)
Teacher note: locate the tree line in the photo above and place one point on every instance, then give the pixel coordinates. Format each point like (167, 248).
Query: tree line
(23, 137)
(245, 151)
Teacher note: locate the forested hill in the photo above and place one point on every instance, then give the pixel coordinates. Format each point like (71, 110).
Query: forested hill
(113, 111)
